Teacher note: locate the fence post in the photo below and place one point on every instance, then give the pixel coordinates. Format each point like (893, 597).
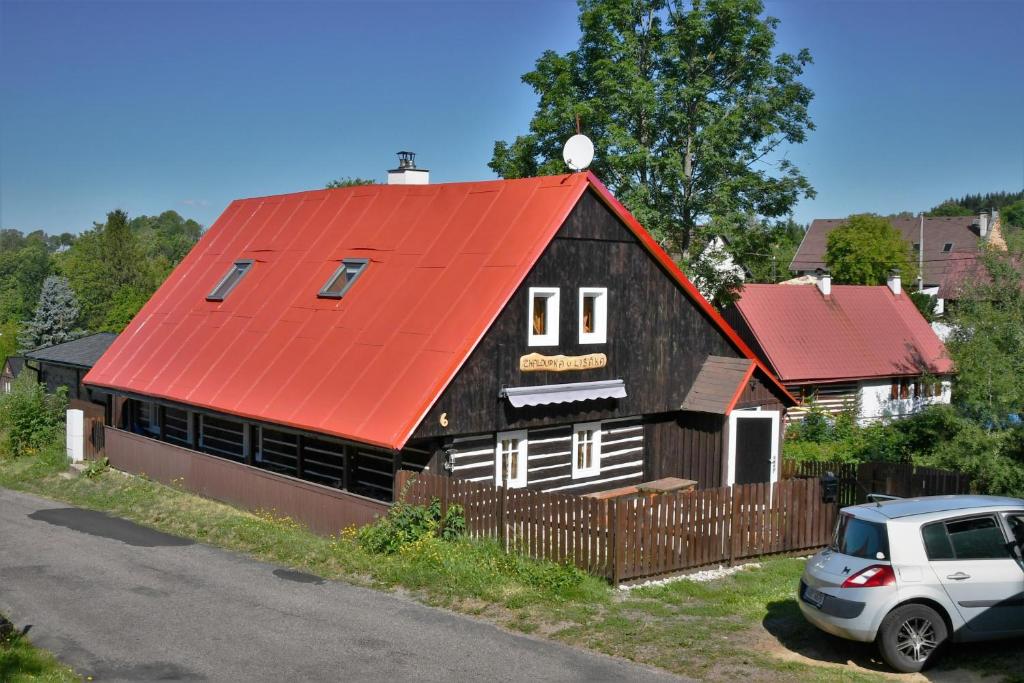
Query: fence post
(401, 476)
(502, 512)
(618, 540)
(733, 536)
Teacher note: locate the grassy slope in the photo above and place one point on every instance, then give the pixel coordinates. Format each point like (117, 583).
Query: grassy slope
(20, 661)
(720, 630)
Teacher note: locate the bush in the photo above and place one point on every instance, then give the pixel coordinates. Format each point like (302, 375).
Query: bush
(29, 417)
(406, 524)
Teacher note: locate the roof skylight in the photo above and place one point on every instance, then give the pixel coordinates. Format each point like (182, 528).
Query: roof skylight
(228, 282)
(343, 278)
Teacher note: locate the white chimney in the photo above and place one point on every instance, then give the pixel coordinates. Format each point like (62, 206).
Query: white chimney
(895, 285)
(983, 224)
(407, 173)
(825, 282)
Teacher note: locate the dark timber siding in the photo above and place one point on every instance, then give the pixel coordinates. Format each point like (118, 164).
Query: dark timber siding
(657, 340)
(657, 337)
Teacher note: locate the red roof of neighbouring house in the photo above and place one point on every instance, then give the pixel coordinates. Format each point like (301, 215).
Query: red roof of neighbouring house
(444, 261)
(854, 333)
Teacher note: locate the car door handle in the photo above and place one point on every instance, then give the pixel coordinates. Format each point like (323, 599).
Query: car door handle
(959, 576)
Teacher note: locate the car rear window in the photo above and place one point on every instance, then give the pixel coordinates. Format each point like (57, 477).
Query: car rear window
(859, 538)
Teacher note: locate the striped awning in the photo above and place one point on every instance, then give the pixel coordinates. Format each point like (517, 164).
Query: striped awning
(548, 394)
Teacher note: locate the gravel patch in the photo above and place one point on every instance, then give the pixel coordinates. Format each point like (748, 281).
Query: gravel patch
(704, 575)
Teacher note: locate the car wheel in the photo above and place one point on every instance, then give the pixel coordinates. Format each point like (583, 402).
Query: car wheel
(910, 636)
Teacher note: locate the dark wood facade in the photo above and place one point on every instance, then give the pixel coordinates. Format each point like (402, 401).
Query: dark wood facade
(657, 342)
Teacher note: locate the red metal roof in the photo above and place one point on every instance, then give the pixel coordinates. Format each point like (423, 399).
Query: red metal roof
(444, 261)
(855, 333)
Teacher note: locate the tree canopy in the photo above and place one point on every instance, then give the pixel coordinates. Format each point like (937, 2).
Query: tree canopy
(112, 268)
(865, 249)
(971, 204)
(688, 106)
(348, 182)
(55, 319)
(988, 341)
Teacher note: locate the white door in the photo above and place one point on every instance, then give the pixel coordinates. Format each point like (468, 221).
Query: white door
(753, 447)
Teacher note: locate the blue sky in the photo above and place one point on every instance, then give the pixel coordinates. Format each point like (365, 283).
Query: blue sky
(151, 106)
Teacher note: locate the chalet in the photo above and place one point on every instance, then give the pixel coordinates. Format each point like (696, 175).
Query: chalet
(948, 252)
(524, 332)
(846, 346)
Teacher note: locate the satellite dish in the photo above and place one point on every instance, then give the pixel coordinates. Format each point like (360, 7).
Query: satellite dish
(578, 152)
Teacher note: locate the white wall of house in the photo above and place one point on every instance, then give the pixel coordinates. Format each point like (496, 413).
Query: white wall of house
(871, 396)
(875, 401)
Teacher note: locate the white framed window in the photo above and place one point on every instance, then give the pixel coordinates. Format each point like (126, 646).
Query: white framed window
(543, 316)
(586, 450)
(593, 309)
(510, 459)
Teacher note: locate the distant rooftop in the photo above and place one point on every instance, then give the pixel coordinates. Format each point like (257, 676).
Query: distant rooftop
(82, 352)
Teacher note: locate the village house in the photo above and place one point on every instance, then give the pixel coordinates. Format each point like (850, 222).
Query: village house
(846, 347)
(948, 259)
(66, 364)
(528, 333)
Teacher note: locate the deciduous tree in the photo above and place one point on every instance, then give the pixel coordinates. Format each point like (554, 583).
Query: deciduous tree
(865, 249)
(688, 104)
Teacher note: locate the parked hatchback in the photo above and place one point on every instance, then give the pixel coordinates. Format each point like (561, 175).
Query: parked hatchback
(912, 574)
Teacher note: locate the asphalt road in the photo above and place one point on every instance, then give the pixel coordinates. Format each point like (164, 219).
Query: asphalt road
(120, 602)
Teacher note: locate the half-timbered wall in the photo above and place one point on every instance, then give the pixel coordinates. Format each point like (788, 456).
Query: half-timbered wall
(549, 457)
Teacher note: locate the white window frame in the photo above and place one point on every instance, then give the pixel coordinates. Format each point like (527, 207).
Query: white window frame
(595, 456)
(550, 338)
(600, 333)
(748, 414)
(519, 481)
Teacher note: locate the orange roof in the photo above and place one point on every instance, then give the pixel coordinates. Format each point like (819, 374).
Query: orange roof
(444, 261)
(856, 332)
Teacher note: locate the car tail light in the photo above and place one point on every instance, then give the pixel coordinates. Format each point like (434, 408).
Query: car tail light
(872, 577)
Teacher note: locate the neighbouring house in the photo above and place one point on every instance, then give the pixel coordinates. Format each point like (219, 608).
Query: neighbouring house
(66, 364)
(951, 249)
(524, 332)
(846, 346)
(12, 367)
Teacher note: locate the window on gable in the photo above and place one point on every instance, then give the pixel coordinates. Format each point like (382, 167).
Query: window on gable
(947, 247)
(593, 315)
(586, 450)
(230, 280)
(543, 316)
(343, 278)
(510, 460)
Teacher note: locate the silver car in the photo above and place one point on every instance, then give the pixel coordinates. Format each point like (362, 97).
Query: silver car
(912, 574)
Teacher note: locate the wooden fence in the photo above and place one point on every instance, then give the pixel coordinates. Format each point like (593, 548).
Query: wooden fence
(857, 480)
(633, 537)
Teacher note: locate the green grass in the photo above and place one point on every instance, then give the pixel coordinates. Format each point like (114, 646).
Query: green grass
(743, 626)
(20, 662)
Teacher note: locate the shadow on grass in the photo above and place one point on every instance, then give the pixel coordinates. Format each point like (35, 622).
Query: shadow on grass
(795, 637)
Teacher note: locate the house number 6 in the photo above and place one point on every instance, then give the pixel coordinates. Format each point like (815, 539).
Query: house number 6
(444, 419)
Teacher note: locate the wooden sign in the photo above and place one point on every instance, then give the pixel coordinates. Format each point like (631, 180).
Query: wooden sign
(534, 362)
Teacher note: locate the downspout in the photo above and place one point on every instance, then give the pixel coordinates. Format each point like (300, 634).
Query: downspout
(920, 256)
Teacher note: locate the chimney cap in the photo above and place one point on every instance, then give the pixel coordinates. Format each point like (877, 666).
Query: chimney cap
(406, 162)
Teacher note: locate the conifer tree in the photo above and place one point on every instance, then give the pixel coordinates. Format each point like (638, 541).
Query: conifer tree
(55, 318)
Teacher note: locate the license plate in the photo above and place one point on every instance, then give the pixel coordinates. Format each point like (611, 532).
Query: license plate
(815, 597)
